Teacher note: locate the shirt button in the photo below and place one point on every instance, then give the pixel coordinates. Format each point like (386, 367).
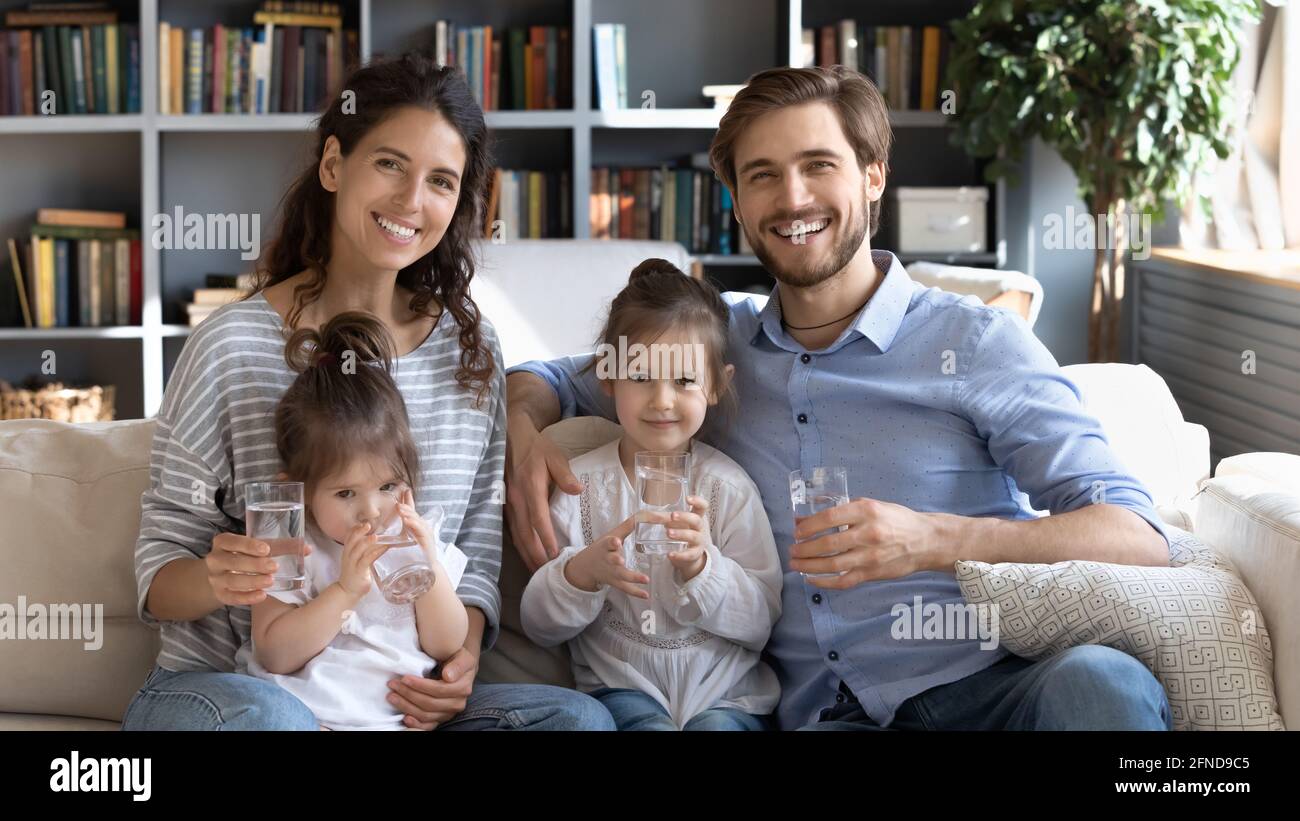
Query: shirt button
(817, 598)
(833, 656)
(805, 358)
(803, 418)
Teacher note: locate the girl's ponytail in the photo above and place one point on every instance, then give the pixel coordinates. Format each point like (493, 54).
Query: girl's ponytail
(344, 402)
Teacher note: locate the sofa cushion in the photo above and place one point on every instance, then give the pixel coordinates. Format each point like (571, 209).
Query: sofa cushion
(1146, 430)
(1282, 470)
(1194, 624)
(70, 503)
(10, 722)
(516, 659)
(1256, 525)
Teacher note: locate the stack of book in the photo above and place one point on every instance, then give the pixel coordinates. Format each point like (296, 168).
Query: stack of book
(69, 58)
(609, 47)
(688, 205)
(293, 61)
(529, 205)
(906, 63)
(77, 269)
(520, 69)
(218, 290)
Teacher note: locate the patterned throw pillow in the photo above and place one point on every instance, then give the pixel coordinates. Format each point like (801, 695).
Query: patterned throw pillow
(1194, 624)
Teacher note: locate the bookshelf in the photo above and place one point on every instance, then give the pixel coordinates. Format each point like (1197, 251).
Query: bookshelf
(149, 163)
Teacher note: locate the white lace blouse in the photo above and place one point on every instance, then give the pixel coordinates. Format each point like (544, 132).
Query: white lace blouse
(692, 646)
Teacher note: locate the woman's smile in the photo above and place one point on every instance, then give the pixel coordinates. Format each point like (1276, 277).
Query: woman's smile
(396, 231)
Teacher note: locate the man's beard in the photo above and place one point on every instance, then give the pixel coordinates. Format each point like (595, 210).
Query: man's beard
(840, 255)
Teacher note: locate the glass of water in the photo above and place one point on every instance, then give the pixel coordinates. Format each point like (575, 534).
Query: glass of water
(273, 513)
(403, 573)
(815, 490)
(661, 482)
(661, 485)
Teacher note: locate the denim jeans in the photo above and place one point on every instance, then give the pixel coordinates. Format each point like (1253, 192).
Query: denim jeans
(1084, 688)
(635, 711)
(231, 701)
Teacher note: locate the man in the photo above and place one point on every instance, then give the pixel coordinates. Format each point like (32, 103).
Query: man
(953, 421)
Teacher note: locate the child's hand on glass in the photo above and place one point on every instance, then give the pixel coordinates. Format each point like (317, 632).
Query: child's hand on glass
(416, 524)
(359, 552)
(601, 563)
(690, 527)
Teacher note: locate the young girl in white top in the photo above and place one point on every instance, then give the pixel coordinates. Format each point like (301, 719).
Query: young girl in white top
(342, 430)
(688, 658)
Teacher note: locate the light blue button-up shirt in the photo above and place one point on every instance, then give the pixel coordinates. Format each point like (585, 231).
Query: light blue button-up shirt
(930, 400)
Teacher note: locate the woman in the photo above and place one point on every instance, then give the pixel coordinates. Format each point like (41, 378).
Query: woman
(381, 222)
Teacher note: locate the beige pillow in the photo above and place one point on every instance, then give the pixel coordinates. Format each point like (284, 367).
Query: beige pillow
(70, 507)
(515, 659)
(1194, 624)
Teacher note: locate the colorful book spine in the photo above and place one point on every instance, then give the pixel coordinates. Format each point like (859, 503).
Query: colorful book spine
(107, 288)
(93, 265)
(131, 33)
(232, 71)
(164, 68)
(47, 282)
(88, 68)
(277, 70)
(177, 64)
(98, 43)
(27, 78)
(121, 279)
(112, 70)
(83, 283)
(194, 73)
(77, 61)
(218, 104)
(134, 250)
(108, 277)
(62, 282)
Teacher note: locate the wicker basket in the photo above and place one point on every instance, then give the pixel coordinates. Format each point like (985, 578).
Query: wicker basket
(54, 401)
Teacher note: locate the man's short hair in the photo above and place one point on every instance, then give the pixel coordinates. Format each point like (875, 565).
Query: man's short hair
(855, 99)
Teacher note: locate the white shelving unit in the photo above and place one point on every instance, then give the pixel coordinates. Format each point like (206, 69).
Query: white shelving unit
(583, 124)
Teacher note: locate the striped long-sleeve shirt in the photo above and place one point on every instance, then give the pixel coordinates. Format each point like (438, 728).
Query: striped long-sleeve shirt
(215, 433)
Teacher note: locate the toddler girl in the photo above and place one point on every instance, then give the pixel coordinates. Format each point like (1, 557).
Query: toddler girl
(341, 428)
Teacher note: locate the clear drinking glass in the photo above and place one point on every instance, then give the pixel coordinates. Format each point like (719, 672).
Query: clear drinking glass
(815, 490)
(661, 485)
(273, 513)
(661, 482)
(403, 573)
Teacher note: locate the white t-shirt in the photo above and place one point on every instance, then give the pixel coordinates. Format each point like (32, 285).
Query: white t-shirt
(696, 644)
(345, 685)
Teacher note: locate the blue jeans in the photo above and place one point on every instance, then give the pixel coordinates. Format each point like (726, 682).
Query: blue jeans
(634, 710)
(1084, 688)
(231, 701)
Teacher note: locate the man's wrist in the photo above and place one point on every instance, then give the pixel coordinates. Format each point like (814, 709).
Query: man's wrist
(517, 414)
(522, 407)
(956, 538)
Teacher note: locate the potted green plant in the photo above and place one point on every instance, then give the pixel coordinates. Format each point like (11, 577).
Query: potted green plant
(1134, 95)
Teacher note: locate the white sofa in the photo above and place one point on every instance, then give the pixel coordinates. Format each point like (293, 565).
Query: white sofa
(70, 495)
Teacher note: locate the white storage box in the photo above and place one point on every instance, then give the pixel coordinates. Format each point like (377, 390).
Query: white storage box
(941, 220)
